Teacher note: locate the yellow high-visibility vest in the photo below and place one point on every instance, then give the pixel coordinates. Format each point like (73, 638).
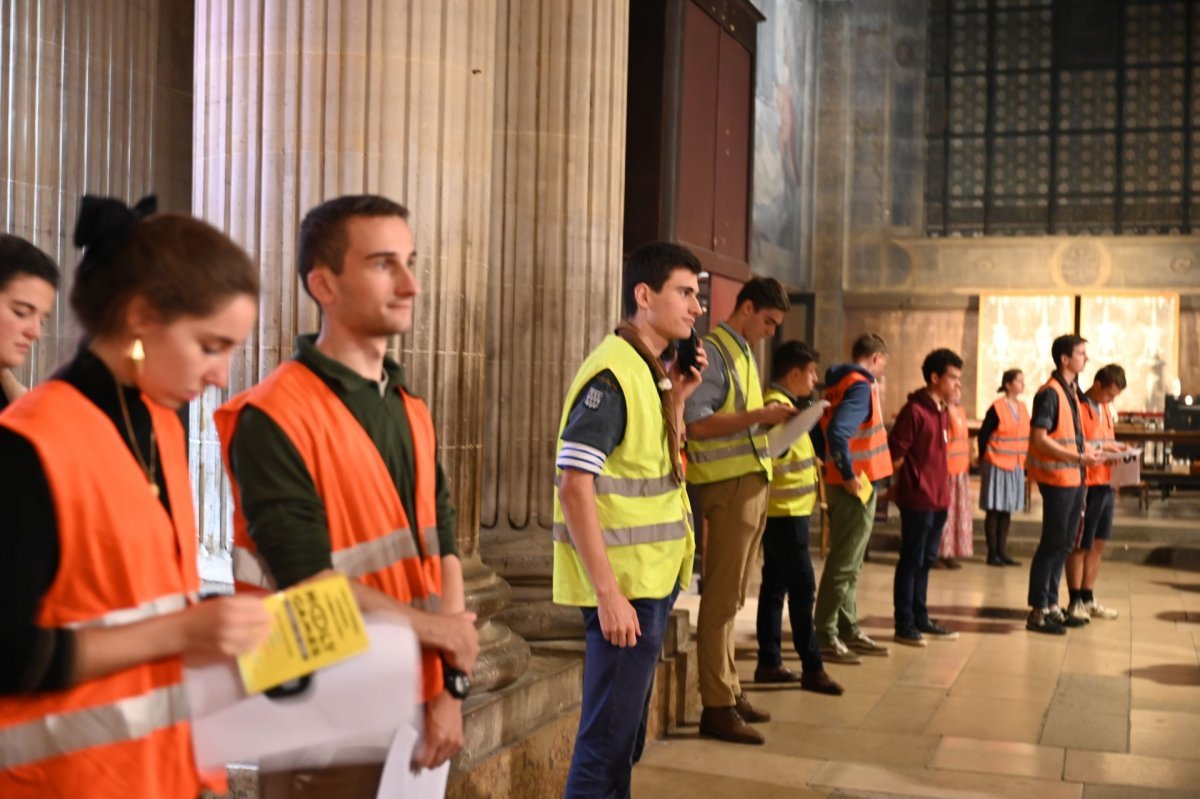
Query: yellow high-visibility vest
(645, 516)
(793, 490)
(744, 452)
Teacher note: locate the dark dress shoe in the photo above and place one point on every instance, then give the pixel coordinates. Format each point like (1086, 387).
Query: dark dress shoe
(725, 723)
(775, 674)
(748, 712)
(819, 682)
(1005, 560)
(994, 560)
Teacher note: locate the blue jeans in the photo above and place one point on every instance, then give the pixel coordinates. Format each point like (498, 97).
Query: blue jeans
(787, 572)
(920, 541)
(616, 701)
(1062, 516)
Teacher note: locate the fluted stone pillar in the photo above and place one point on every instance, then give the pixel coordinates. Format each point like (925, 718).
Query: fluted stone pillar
(94, 97)
(302, 100)
(555, 279)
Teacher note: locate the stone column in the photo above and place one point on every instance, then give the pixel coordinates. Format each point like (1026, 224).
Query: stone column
(94, 98)
(555, 269)
(298, 102)
(835, 135)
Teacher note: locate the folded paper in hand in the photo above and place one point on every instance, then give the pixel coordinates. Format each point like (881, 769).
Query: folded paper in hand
(782, 436)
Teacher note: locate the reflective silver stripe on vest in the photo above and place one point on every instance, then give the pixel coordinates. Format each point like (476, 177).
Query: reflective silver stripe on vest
(250, 568)
(429, 604)
(865, 454)
(795, 466)
(627, 536)
(743, 447)
(62, 733)
(148, 610)
(1000, 451)
(635, 487)
(863, 435)
(792, 493)
(377, 554)
(433, 545)
(1050, 465)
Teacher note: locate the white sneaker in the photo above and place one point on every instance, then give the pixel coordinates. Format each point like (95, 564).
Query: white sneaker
(1098, 611)
(1079, 611)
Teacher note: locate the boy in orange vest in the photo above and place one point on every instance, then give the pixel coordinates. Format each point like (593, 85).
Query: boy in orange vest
(334, 461)
(1083, 565)
(1057, 459)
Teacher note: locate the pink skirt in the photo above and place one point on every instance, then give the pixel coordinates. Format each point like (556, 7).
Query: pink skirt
(959, 533)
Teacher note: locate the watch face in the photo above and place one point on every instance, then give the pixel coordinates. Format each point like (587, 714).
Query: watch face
(458, 684)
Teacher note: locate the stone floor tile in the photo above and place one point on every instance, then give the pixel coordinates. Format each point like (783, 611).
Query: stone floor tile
(1086, 729)
(939, 784)
(853, 745)
(1132, 792)
(805, 707)
(999, 757)
(671, 783)
(713, 757)
(1117, 769)
(1162, 733)
(1029, 687)
(988, 719)
(905, 708)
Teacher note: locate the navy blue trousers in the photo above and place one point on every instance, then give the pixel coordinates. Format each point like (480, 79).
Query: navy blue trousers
(920, 541)
(787, 572)
(1062, 515)
(616, 700)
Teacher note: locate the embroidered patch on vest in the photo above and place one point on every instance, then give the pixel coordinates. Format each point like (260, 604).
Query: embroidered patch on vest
(593, 398)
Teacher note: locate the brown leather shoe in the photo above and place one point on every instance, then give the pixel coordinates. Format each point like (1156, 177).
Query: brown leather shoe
(819, 682)
(725, 723)
(748, 712)
(775, 674)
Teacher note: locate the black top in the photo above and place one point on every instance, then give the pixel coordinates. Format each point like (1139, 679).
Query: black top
(598, 422)
(34, 658)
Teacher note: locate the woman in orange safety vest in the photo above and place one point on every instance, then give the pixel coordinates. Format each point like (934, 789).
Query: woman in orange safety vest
(1003, 445)
(98, 583)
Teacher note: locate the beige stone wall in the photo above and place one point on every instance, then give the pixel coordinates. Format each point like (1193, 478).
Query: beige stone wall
(911, 334)
(94, 98)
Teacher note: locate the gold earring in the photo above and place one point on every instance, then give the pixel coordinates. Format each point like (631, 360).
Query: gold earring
(137, 354)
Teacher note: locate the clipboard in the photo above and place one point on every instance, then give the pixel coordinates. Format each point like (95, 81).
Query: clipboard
(781, 437)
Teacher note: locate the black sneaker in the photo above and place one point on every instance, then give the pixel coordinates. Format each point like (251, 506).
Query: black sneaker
(1042, 622)
(909, 636)
(935, 630)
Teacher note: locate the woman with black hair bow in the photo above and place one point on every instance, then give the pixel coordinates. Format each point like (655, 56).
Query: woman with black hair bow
(98, 583)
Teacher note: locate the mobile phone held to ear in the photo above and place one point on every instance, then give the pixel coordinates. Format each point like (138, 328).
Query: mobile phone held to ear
(685, 353)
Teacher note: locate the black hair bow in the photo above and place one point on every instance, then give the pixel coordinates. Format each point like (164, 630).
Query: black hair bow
(105, 225)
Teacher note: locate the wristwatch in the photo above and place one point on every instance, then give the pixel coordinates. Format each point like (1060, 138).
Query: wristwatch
(457, 683)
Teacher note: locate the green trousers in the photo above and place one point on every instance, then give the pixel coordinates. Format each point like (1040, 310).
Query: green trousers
(836, 611)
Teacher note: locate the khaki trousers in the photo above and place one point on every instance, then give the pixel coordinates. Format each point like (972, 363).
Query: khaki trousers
(736, 511)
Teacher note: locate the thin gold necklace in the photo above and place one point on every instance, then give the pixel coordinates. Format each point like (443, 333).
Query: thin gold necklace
(148, 470)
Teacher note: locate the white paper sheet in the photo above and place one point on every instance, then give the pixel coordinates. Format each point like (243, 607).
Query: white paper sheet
(782, 436)
(350, 713)
(1127, 471)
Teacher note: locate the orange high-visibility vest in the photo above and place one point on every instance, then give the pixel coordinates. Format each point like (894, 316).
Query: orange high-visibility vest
(958, 444)
(1009, 444)
(122, 559)
(1065, 474)
(868, 446)
(371, 537)
(1098, 430)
